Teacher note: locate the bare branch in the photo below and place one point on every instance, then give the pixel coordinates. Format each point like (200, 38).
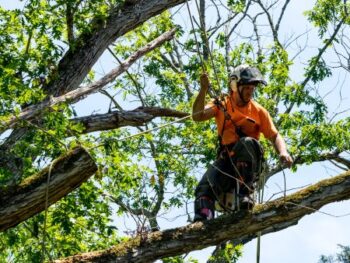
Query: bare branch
(331, 156)
(269, 18)
(281, 15)
(318, 57)
(76, 95)
(136, 84)
(118, 119)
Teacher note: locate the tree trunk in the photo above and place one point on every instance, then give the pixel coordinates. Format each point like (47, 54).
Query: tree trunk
(25, 200)
(239, 227)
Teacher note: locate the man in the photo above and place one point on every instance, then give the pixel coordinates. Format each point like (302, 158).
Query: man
(240, 121)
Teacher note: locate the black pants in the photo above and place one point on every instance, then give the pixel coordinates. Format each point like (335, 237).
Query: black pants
(219, 178)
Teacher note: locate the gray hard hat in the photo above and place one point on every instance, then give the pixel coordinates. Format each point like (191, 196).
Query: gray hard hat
(245, 74)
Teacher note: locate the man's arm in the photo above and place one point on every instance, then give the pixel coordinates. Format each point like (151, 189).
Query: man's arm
(199, 112)
(281, 149)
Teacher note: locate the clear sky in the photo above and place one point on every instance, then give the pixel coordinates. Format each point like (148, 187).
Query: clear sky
(315, 234)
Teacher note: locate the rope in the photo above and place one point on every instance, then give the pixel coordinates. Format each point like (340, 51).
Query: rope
(260, 200)
(45, 217)
(198, 51)
(195, 37)
(284, 184)
(208, 47)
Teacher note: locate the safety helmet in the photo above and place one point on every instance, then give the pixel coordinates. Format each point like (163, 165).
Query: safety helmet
(245, 74)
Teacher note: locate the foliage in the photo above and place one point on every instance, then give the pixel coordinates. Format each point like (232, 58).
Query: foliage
(146, 177)
(179, 259)
(228, 253)
(342, 257)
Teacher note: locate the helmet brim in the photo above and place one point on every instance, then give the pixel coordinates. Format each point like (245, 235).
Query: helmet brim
(253, 81)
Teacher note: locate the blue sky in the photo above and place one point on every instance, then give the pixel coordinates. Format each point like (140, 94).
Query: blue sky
(315, 234)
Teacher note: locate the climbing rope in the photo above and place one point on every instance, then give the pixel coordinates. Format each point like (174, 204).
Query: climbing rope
(195, 37)
(260, 198)
(198, 49)
(45, 216)
(206, 40)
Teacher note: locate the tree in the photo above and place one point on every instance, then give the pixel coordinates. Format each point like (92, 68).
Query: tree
(342, 257)
(48, 50)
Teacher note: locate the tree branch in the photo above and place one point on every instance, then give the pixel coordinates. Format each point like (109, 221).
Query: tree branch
(88, 47)
(78, 61)
(281, 15)
(25, 200)
(330, 156)
(240, 226)
(70, 23)
(318, 57)
(118, 119)
(75, 95)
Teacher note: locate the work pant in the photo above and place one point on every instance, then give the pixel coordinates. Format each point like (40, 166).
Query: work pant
(222, 175)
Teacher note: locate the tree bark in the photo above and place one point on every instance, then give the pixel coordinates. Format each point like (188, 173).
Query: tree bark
(78, 61)
(239, 227)
(118, 119)
(66, 173)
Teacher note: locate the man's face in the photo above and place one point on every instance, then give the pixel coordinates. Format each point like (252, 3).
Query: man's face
(247, 92)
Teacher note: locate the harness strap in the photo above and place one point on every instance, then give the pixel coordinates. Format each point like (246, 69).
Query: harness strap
(219, 103)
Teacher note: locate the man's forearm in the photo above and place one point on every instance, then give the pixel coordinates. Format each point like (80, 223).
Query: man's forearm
(280, 145)
(198, 106)
(281, 149)
(198, 110)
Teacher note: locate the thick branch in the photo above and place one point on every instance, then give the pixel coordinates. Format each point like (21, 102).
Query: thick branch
(77, 94)
(268, 217)
(78, 61)
(19, 203)
(118, 119)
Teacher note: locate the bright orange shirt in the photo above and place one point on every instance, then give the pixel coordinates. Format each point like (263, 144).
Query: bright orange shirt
(253, 119)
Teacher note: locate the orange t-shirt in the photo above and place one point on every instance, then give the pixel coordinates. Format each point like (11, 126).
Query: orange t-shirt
(252, 119)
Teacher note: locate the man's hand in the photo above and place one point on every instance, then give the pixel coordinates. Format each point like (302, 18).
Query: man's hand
(204, 81)
(199, 111)
(286, 159)
(281, 148)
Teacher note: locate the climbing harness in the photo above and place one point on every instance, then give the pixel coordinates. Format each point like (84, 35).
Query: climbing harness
(256, 162)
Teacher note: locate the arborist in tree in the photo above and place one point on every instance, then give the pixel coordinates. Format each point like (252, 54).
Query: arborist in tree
(240, 121)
